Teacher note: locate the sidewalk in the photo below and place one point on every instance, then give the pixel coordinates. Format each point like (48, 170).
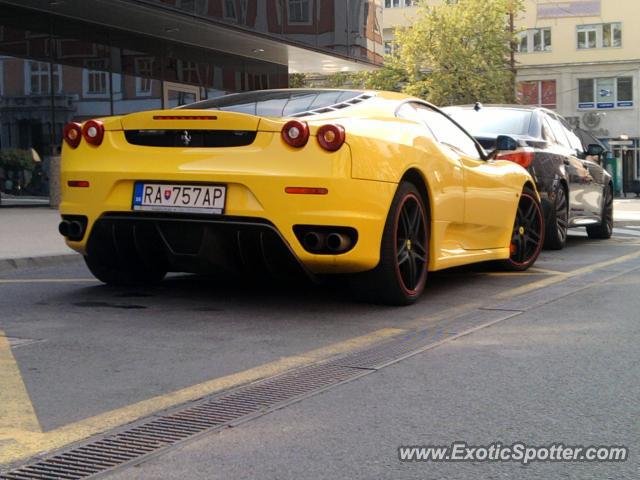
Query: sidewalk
(626, 210)
(30, 236)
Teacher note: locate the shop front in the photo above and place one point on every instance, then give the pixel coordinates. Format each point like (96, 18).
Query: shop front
(74, 60)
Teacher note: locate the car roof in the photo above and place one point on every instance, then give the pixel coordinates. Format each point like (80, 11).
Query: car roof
(505, 106)
(380, 102)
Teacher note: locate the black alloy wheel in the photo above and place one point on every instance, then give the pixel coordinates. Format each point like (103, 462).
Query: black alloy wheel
(401, 274)
(411, 244)
(528, 233)
(558, 221)
(604, 229)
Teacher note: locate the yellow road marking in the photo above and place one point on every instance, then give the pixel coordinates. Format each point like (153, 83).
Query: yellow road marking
(545, 271)
(47, 280)
(16, 410)
(21, 438)
(559, 278)
(21, 443)
(524, 274)
(556, 278)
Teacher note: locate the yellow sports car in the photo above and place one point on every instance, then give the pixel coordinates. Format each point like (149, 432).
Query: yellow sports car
(377, 185)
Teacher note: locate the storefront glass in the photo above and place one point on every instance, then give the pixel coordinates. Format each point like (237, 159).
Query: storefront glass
(53, 71)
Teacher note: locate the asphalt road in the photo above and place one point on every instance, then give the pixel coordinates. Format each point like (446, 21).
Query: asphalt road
(93, 358)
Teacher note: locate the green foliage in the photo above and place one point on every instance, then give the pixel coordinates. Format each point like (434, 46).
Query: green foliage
(13, 159)
(459, 53)
(392, 76)
(297, 80)
(338, 80)
(453, 53)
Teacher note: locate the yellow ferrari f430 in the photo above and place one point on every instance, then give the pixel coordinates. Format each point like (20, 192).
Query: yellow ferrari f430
(380, 186)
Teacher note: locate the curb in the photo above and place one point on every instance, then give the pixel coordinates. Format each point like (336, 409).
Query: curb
(4, 206)
(7, 264)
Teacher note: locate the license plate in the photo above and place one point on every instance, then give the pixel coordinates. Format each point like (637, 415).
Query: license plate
(161, 197)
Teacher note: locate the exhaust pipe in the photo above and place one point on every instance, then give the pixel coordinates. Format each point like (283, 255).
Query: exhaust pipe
(313, 241)
(338, 242)
(63, 228)
(75, 230)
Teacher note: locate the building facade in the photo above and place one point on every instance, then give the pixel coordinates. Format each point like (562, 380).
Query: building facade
(72, 60)
(580, 58)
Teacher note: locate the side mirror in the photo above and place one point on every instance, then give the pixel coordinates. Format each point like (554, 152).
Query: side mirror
(595, 150)
(505, 142)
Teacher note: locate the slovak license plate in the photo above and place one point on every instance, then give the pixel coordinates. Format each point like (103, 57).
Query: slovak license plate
(180, 198)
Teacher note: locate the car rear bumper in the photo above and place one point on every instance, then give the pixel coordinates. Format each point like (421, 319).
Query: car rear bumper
(235, 246)
(269, 213)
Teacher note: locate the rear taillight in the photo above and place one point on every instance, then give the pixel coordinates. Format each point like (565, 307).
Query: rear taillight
(521, 157)
(331, 137)
(93, 132)
(295, 133)
(72, 134)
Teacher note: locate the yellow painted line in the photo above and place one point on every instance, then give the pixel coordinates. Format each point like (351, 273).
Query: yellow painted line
(16, 410)
(524, 274)
(19, 444)
(545, 271)
(559, 278)
(448, 313)
(530, 272)
(47, 280)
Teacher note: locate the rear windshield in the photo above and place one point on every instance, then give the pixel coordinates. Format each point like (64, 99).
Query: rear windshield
(493, 121)
(276, 103)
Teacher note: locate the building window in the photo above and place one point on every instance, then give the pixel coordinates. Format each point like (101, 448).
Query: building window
(625, 89)
(229, 9)
(611, 35)
(534, 40)
(188, 72)
(538, 92)
(193, 6)
(388, 47)
(604, 35)
(38, 76)
(298, 11)
(605, 92)
(401, 3)
(586, 87)
(144, 72)
(95, 78)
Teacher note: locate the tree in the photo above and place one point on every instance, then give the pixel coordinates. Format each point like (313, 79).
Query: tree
(297, 80)
(14, 159)
(459, 52)
(392, 76)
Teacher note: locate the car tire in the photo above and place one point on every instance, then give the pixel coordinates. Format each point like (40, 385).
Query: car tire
(117, 275)
(604, 229)
(557, 222)
(528, 236)
(401, 274)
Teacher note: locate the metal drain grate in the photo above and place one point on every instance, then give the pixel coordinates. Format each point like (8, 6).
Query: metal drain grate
(390, 351)
(217, 412)
(163, 431)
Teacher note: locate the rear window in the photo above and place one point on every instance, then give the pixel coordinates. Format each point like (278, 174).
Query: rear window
(276, 103)
(493, 121)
